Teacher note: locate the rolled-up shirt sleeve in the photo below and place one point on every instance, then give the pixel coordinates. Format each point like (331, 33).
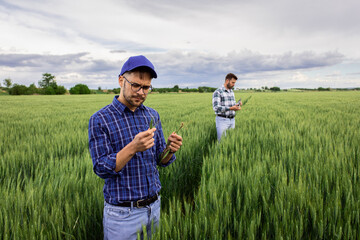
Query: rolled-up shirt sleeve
(102, 153)
(216, 101)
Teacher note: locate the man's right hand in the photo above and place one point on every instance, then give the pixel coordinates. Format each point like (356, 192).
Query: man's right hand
(235, 108)
(144, 140)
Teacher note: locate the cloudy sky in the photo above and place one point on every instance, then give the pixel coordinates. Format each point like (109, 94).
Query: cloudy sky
(284, 43)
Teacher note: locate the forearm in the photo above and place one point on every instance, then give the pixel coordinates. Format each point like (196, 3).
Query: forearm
(124, 156)
(221, 109)
(167, 158)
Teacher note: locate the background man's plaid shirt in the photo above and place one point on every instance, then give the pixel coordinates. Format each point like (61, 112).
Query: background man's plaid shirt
(222, 100)
(110, 130)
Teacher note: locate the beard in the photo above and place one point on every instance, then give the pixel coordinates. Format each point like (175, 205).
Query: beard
(134, 99)
(228, 86)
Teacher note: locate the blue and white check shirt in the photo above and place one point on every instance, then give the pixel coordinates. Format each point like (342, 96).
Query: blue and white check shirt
(110, 130)
(222, 100)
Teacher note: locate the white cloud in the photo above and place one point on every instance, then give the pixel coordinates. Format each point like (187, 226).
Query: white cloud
(299, 77)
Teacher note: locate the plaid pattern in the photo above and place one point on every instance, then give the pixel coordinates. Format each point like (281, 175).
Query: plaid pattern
(110, 130)
(222, 100)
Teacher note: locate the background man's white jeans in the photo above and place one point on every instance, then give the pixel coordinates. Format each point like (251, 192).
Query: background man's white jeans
(223, 124)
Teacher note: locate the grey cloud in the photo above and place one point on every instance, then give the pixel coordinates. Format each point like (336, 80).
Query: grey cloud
(354, 74)
(242, 62)
(332, 75)
(280, 15)
(58, 63)
(13, 7)
(175, 6)
(320, 15)
(177, 10)
(103, 66)
(38, 60)
(173, 67)
(315, 17)
(117, 51)
(18, 9)
(304, 60)
(181, 68)
(179, 63)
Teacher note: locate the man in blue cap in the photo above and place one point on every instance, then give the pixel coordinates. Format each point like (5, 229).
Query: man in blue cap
(126, 152)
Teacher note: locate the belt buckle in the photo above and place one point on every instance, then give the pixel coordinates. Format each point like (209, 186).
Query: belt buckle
(137, 203)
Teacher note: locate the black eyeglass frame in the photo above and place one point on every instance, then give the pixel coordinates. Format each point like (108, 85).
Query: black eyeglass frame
(139, 88)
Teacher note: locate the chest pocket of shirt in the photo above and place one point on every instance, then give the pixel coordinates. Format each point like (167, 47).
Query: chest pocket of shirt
(222, 101)
(120, 138)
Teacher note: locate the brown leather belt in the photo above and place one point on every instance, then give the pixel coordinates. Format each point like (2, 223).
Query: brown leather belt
(138, 203)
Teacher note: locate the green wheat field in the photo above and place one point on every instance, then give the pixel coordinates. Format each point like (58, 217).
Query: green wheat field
(289, 170)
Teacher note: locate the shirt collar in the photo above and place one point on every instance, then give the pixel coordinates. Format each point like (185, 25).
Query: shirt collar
(225, 89)
(121, 107)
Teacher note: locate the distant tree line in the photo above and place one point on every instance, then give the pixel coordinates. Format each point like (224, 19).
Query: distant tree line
(47, 86)
(265, 89)
(321, 89)
(176, 88)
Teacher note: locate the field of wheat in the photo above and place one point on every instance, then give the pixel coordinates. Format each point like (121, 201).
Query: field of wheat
(289, 170)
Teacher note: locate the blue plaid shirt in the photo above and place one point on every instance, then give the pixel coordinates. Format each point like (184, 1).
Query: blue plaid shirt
(110, 130)
(222, 100)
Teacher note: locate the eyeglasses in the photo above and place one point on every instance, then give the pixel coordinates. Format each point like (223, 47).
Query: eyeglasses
(137, 87)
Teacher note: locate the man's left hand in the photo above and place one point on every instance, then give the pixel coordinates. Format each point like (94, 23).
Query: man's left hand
(175, 142)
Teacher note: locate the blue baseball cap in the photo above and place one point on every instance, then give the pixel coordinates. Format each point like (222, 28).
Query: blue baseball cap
(138, 61)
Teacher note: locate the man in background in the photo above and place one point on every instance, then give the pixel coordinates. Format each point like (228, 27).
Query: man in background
(125, 142)
(225, 106)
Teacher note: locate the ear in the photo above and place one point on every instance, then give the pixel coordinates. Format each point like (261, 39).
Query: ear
(121, 81)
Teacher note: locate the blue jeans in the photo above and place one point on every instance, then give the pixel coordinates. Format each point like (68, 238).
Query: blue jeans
(126, 222)
(223, 124)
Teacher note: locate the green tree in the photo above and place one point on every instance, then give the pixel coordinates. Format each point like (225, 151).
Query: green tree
(162, 90)
(18, 90)
(116, 90)
(206, 89)
(80, 89)
(49, 91)
(275, 89)
(7, 82)
(32, 89)
(49, 85)
(59, 90)
(323, 89)
(48, 80)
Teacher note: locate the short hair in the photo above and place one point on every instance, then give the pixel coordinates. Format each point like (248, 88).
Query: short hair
(230, 76)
